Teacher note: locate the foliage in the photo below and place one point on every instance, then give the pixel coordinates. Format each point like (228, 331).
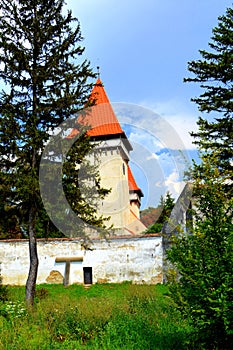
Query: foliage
(165, 206)
(11, 310)
(9, 214)
(155, 228)
(214, 73)
(72, 185)
(3, 290)
(108, 316)
(44, 84)
(202, 282)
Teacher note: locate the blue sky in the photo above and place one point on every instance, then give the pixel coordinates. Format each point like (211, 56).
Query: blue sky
(142, 48)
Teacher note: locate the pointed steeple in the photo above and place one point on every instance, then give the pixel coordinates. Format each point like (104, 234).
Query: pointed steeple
(102, 118)
(98, 94)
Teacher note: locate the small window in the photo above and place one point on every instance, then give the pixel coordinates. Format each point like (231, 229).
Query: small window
(123, 168)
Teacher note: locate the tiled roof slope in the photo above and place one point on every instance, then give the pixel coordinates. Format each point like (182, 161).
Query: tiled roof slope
(132, 183)
(103, 122)
(98, 93)
(101, 117)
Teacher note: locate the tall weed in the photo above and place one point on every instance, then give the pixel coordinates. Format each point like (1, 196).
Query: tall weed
(123, 316)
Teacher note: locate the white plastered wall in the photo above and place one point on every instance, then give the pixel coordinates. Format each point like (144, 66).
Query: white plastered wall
(139, 260)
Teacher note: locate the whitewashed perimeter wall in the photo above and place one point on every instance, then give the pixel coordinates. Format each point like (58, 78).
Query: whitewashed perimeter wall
(122, 259)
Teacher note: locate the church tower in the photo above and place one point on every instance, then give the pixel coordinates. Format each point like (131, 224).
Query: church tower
(113, 148)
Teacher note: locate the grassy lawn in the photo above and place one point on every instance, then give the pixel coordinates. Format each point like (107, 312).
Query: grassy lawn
(105, 316)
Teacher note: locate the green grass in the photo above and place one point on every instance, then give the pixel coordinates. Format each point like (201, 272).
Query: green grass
(105, 316)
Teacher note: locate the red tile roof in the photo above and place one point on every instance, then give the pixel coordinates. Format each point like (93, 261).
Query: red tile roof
(103, 121)
(132, 183)
(98, 93)
(101, 117)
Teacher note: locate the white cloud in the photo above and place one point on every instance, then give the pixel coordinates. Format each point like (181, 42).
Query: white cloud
(174, 185)
(158, 150)
(146, 120)
(152, 156)
(181, 119)
(156, 173)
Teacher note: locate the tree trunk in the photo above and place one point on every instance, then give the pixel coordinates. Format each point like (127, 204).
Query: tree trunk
(34, 262)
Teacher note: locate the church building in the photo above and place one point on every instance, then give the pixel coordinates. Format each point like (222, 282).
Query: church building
(113, 148)
(128, 255)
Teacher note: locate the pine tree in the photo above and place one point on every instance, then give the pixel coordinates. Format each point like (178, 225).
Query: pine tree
(202, 282)
(214, 73)
(165, 207)
(44, 84)
(70, 185)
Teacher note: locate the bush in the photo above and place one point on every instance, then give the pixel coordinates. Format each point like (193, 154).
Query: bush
(202, 280)
(41, 293)
(155, 228)
(3, 290)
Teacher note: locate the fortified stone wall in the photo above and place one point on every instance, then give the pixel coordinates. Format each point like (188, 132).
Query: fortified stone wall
(136, 259)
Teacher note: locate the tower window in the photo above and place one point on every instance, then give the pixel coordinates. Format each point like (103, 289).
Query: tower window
(123, 168)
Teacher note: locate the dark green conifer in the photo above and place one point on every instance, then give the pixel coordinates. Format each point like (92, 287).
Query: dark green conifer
(214, 73)
(202, 283)
(45, 82)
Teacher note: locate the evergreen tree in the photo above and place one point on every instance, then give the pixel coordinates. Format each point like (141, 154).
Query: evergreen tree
(70, 185)
(202, 283)
(165, 207)
(214, 73)
(44, 84)
(202, 280)
(9, 224)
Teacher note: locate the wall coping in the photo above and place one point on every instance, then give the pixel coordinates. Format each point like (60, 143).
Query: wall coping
(68, 239)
